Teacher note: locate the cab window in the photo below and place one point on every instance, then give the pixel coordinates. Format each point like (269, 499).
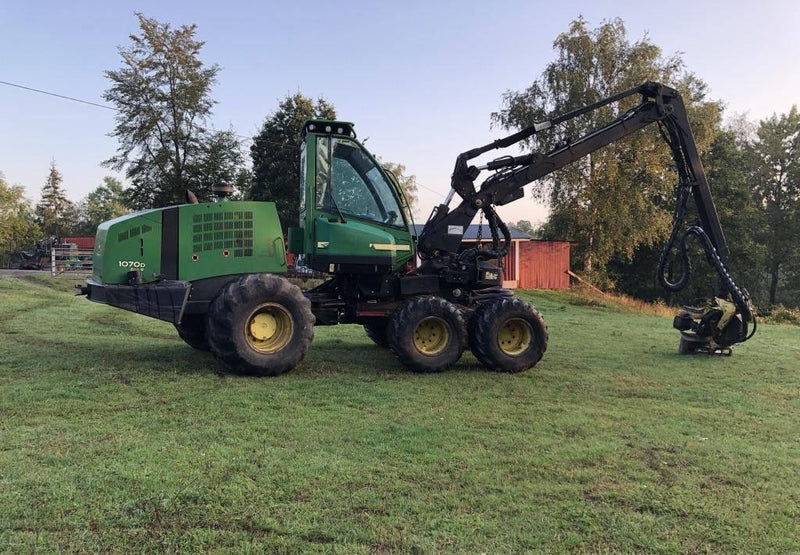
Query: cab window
(349, 180)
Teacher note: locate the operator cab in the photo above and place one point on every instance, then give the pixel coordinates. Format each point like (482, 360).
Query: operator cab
(353, 215)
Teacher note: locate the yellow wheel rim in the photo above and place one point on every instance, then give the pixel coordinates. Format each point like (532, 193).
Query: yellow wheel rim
(431, 336)
(269, 328)
(515, 337)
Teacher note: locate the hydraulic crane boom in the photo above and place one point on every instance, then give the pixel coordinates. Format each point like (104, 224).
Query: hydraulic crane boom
(660, 104)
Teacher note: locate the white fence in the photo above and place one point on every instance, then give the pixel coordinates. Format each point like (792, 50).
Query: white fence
(70, 259)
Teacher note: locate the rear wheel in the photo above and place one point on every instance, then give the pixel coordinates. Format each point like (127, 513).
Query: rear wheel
(260, 325)
(427, 334)
(508, 335)
(376, 331)
(192, 330)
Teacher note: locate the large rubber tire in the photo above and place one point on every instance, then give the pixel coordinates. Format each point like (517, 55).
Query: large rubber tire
(192, 330)
(376, 331)
(427, 334)
(507, 335)
(260, 325)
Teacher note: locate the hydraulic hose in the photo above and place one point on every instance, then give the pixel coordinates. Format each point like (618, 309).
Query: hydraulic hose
(739, 297)
(686, 265)
(496, 226)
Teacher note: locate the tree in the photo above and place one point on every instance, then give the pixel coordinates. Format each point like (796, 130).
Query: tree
(276, 154)
(729, 163)
(525, 227)
(408, 183)
(729, 166)
(18, 230)
(162, 94)
(612, 201)
(55, 213)
(106, 202)
(777, 188)
(221, 160)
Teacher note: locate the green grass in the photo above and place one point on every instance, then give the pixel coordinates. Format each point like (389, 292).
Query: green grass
(115, 436)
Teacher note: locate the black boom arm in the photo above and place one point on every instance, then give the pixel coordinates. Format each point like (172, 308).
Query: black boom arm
(659, 104)
(445, 229)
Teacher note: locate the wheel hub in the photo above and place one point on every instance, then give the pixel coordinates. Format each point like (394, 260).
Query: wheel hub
(269, 328)
(515, 337)
(431, 336)
(263, 326)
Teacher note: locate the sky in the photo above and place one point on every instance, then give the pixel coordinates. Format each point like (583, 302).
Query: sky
(418, 78)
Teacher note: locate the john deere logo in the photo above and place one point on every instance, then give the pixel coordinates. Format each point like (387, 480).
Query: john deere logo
(131, 264)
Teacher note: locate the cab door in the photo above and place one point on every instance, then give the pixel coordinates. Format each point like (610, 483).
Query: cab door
(359, 224)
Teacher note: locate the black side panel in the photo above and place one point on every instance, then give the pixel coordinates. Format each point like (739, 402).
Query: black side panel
(164, 300)
(169, 243)
(419, 285)
(351, 264)
(203, 292)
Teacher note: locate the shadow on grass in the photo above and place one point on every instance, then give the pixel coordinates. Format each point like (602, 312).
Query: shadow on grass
(106, 356)
(132, 345)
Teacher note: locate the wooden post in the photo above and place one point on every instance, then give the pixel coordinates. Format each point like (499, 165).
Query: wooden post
(586, 283)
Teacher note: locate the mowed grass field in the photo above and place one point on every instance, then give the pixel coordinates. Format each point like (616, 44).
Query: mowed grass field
(117, 437)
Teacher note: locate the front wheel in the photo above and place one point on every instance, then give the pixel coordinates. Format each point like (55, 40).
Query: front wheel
(508, 335)
(260, 325)
(427, 334)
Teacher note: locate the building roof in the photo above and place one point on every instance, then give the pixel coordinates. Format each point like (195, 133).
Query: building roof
(472, 232)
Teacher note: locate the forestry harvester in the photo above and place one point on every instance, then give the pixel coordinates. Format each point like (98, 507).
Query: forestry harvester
(217, 270)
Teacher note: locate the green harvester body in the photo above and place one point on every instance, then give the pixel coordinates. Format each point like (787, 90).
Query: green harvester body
(171, 262)
(207, 240)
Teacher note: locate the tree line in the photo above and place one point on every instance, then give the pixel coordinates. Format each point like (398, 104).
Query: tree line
(615, 205)
(55, 215)
(162, 94)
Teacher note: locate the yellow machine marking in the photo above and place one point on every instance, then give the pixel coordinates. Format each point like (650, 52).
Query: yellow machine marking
(389, 247)
(728, 312)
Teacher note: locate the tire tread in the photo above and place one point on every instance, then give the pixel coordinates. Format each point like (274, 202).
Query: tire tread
(482, 334)
(404, 321)
(253, 289)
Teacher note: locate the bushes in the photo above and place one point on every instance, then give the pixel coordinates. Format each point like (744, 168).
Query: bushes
(779, 314)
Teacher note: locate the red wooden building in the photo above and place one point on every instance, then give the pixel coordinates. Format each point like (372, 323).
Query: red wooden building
(530, 263)
(79, 242)
(543, 264)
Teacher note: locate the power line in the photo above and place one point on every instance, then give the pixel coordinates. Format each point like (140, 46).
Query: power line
(90, 103)
(431, 190)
